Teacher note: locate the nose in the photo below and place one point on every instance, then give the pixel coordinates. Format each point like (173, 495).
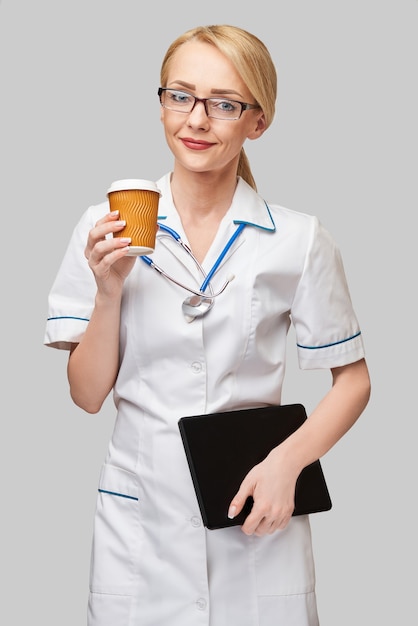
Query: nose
(198, 113)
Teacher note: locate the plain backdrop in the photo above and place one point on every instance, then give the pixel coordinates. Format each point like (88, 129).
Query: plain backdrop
(79, 109)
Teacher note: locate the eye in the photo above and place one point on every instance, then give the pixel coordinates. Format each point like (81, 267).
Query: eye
(225, 106)
(179, 97)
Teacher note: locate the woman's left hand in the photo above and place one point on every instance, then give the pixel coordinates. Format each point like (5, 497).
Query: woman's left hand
(272, 486)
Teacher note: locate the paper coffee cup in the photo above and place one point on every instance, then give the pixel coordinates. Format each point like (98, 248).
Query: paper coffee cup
(137, 202)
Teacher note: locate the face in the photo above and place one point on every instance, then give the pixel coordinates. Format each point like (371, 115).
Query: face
(201, 143)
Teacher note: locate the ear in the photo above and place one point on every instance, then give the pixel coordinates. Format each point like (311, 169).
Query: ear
(259, 129)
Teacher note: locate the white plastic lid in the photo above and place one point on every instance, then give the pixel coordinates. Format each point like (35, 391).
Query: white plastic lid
(133, 183)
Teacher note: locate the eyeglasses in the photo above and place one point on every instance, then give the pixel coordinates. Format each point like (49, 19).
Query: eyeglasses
(218, 108)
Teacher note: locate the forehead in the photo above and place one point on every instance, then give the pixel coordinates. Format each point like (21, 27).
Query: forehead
(203, 65)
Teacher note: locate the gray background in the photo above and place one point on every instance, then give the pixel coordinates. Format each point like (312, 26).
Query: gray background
(79, 110)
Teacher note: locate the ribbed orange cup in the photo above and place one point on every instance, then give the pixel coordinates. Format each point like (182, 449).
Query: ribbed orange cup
(137, 202)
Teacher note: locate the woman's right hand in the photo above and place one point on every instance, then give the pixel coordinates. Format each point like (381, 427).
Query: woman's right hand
(107, 256)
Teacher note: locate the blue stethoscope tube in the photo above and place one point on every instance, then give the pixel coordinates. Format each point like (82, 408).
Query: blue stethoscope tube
(207, 277)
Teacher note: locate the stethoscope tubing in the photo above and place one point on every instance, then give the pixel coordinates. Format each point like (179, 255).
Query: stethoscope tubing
(207, 277)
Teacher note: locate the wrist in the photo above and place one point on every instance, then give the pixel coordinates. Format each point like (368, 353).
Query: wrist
(286, 454)
(108, 301)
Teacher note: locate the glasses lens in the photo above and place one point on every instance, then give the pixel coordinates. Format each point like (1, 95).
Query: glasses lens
(177, 100)
(223, 109)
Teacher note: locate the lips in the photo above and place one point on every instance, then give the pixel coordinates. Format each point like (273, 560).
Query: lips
(195, 144)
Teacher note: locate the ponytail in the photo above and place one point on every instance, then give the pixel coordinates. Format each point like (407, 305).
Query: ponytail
(244, 170)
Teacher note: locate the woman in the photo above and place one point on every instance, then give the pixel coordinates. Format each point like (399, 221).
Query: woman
(153, 562)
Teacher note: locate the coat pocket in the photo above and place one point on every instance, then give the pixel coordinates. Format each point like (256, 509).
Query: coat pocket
(117, 532)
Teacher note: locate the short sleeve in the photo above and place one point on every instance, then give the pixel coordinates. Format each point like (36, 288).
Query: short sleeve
(71, 299)
(327, 330)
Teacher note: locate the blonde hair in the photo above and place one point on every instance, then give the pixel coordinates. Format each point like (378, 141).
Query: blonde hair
(252, 61)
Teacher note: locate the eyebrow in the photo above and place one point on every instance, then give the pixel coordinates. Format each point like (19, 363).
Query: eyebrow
(192, 87)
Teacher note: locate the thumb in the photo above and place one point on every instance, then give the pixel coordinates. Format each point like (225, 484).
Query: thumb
(239, 500)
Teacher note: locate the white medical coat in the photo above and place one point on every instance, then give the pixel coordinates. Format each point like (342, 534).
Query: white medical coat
(153, 562)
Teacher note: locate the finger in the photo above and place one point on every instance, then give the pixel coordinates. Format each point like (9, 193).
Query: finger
(240, 498)
(99, 234)
(109, 223)
(103, 228)
(108, 217)
(266, 519)
(268, 527)
(107, 251)
(264, 528)
(257, 519)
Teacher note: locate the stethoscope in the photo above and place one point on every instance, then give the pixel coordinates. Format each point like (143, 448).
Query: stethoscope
(199, 303)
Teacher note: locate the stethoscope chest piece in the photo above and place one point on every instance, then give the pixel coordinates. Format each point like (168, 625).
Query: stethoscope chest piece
(196, 306)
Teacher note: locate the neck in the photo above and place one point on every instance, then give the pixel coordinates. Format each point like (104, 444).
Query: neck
(199, 196)
(202, 199)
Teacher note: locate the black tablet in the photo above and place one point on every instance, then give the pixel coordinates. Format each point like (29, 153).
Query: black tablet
(222, 447)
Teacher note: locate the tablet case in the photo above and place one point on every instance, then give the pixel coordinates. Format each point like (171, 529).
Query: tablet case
(222, 447)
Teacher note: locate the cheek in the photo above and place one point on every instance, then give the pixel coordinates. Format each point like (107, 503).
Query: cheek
(238, 140)
(170, 124)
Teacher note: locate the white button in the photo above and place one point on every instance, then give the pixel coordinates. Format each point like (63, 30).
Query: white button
(196, 367)
(201, 604)
(196, 521)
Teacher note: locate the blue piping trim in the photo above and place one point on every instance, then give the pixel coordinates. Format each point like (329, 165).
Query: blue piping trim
(68, 317)
(328, 345)
(270, 230)
(120, 495)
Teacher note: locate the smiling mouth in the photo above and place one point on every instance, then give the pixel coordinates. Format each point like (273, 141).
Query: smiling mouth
(195, 144)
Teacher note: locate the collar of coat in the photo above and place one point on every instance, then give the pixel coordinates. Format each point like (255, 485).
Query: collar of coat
(247, 207)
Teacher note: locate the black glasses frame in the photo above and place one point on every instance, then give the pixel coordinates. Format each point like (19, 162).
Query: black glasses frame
(244, 105)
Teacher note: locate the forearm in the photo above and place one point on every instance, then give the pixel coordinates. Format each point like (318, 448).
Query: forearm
(93, 364)
(332, 418)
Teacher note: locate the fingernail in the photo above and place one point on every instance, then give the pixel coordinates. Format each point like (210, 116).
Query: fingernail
(231, 512)
(114, 212)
